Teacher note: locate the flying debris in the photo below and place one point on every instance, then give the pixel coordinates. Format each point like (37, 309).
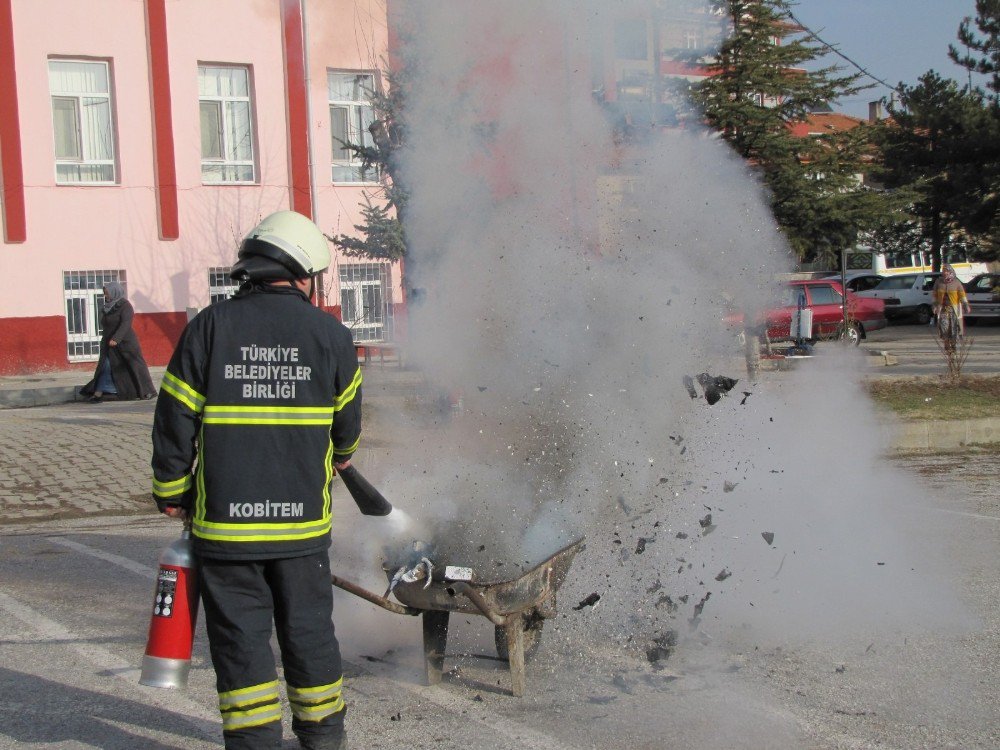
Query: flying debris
(729, 486)
(716, 386)
(768, 536)
(746, 395)
(662, 647)
(590, 601)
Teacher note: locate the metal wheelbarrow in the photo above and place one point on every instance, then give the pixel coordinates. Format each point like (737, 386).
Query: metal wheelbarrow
(517, 608)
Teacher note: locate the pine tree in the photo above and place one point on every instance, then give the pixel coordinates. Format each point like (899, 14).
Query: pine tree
(760, 89)
(982, 211)
(987, 46)
(382, 235)
(932, 152)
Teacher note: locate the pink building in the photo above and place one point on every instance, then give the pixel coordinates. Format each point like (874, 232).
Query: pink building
(140, 140)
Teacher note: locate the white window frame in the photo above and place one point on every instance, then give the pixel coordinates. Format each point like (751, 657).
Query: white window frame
(83, 293)
(220, 286)
(84, 135)
(357, 109)
(226, 104)
(359, 283)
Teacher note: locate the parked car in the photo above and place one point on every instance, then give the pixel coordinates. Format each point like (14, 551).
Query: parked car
(983, 292)
(826, 300)
(906, 295)
(858, 281)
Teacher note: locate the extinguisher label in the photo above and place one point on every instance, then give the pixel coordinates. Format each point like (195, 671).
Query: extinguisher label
(166, 592)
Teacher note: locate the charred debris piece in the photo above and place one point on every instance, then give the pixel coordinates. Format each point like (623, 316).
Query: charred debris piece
(662, 647)
(768, 537)
(714, 386)
(590, 601)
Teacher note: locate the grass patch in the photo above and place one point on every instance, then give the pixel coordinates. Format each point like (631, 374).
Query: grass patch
(933, 397)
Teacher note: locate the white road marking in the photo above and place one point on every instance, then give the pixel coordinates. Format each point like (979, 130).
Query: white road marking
(204, 721)
(145, 571)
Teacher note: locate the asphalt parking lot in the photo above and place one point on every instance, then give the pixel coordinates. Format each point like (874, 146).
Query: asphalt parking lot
(916, 351)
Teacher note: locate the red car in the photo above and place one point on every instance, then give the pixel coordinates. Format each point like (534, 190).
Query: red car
(825, 298)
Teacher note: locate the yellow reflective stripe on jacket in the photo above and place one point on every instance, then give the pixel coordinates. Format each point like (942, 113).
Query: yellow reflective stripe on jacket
(253, 717)
(269, 415)
(172, 488)
(349, 449)
(182, 392)
(266, 691)
(349, 392)
(259, 532)
(328, 462)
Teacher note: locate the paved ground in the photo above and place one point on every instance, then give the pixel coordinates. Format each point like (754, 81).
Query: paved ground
(78, 543)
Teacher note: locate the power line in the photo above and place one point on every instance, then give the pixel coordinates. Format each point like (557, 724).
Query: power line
(840, 54)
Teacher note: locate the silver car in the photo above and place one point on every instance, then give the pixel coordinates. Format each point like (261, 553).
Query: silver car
(983, 292)
(905, 295)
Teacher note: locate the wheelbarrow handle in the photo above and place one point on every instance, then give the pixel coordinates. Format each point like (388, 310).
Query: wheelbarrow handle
(372, 597)
(461, 587)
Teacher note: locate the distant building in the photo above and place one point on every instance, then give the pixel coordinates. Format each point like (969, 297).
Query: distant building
(142, 138)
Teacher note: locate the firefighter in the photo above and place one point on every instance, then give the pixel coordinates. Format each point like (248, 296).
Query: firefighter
(260, 402)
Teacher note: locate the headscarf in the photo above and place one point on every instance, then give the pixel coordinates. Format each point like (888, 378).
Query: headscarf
(114, 295)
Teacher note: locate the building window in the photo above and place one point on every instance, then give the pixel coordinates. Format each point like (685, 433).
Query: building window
(227, 154)
(351, 114)
(220, 286)
(84, 296)
(692, 39)
(365, 305)
(82, 122)
(631, 41)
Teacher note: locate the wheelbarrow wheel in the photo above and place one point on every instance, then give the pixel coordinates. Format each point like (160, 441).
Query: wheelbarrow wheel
(532, 638)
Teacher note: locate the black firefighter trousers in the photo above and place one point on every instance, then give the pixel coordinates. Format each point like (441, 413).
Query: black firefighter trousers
(241, 599)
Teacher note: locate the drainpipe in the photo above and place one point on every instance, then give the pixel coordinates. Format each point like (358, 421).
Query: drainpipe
(321, 296)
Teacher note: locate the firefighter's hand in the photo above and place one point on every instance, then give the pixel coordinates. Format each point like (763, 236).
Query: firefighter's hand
(175, 511)
(112, 342)
(341, 467)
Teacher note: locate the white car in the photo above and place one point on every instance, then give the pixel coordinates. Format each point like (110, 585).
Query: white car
(906, 294)
(983, 292)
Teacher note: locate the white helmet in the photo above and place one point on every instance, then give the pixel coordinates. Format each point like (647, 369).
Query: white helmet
(284, 245)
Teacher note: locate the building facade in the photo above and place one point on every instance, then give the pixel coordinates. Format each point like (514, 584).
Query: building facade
(140, 140)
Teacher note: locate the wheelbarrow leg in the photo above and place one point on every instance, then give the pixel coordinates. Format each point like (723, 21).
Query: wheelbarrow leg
(514, 630)
(435, 641)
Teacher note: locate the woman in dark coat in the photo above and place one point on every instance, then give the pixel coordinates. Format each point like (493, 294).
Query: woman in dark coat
(121, 370)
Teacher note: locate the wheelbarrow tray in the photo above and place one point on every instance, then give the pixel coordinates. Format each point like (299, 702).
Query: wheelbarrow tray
(533, 589)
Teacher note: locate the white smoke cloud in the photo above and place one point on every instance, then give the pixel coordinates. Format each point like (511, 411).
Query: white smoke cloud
(562, 301)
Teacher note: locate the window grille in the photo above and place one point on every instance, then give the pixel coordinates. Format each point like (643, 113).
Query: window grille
(220, 286)
(84, 298)
(365, 303)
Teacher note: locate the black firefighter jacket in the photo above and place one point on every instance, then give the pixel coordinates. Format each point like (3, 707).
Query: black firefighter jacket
(262, 394)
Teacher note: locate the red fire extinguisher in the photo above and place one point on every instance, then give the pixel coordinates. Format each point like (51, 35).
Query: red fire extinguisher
(175, 611)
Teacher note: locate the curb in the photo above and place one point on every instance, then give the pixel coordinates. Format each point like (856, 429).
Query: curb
(942, 435)
(21, 398)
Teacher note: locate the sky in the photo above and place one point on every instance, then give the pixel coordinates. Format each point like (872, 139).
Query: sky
(896, 40)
